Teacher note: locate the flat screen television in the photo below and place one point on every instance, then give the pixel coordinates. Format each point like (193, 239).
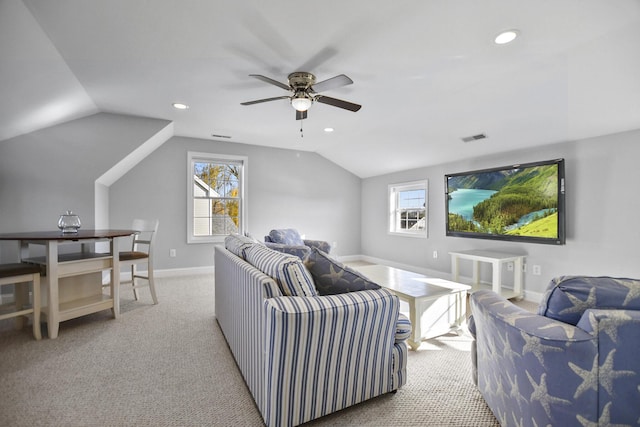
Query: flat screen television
(524, 202)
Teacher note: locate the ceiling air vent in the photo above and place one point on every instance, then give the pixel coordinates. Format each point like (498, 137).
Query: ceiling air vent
(474, 137)
(220, 136)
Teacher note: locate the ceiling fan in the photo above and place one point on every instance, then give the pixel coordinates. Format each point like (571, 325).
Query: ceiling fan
(305, 91)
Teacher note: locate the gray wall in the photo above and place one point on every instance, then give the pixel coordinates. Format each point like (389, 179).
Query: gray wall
(44, 173)
(602, 206)
(286, 189)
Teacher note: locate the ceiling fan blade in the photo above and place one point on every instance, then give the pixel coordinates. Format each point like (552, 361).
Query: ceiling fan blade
(332, 83)
(338, 103)
(301, 115)
(318, 59)
(258, 101)
(270, 81)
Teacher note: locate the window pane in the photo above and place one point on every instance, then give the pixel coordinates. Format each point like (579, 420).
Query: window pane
(411, 199)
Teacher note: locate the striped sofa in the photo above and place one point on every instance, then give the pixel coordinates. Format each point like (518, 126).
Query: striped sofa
(303, 357)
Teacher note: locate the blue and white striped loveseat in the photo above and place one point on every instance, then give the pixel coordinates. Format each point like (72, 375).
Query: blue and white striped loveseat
(303, 357)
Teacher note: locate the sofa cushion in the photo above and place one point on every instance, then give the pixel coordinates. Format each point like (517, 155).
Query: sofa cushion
(568, 297)
(332, 277)
(237, 243)
(287, 270)
(287, 236)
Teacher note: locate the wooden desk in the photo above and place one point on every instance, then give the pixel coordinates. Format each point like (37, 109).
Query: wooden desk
(73, 281)
(496, 259)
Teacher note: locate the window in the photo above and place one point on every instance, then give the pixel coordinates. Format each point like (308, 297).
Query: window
(216, 196)
(408, 208)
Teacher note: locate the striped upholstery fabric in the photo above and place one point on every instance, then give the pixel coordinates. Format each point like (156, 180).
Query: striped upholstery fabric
(305, 357)
(239, 292)
(327, 353)
(237, 243)
(403, 328)
(399, 371)
(289, 271)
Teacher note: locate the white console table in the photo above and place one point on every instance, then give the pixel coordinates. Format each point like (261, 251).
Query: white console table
(496, 259)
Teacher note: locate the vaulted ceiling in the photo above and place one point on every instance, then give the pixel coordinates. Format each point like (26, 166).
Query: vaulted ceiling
(426, 72)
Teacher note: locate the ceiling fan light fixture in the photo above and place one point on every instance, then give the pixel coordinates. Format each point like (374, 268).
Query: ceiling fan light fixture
(506, 37)
(301, 102)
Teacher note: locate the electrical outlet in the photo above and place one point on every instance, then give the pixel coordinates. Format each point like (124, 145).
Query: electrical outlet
(334, 245)
(172, 253)
(435, 254)
(509, 266)
(537, 270)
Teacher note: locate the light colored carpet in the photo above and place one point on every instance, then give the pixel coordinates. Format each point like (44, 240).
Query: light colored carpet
(169, 365)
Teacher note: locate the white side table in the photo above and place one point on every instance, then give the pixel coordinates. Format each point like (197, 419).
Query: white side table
(496, 259)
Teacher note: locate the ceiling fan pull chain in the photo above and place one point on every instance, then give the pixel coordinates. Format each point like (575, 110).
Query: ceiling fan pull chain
(301, 134)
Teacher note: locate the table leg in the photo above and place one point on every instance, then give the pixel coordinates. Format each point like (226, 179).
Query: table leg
(115, 276)
(517, 280)
(454, 268)
(416, 333)
(497, 277)
(460, 308)
(476, 273)
(37, 331)
(53, 309)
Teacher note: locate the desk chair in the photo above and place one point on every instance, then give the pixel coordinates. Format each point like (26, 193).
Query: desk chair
(20, 275)
(141, 252)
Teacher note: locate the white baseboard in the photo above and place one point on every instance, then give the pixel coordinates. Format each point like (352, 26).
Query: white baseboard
(172, 272)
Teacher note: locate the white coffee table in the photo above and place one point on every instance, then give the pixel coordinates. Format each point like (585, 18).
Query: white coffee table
(436, 306)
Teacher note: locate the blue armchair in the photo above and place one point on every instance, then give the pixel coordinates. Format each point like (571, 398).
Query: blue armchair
(574, 363)
(288, 240)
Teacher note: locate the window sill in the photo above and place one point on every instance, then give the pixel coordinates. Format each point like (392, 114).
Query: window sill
(413, 235)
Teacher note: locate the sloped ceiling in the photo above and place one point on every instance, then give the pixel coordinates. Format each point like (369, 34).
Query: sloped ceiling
(426, 72)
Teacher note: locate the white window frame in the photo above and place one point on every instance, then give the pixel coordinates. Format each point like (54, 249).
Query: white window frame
(395, 210)
(193, 157)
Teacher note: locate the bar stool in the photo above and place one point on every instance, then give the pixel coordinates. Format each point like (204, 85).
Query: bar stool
(20, 275)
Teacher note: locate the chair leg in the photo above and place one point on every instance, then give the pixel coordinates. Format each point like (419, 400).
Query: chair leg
(152, 285)
(133, 281)
(21, 296)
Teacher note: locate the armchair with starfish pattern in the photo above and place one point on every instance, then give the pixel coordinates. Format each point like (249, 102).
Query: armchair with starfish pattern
(576, 362)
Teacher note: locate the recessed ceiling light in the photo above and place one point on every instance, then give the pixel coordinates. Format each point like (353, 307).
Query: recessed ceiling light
(506, 37)
(180, 106)
(328, 130)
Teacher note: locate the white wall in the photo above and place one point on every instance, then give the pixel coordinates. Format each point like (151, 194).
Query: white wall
(286, 189)
(602, 205)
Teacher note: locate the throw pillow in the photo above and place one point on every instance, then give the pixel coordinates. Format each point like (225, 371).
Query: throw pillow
(237, 243)
(287, 270)
(287, 236)
(332, 277)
